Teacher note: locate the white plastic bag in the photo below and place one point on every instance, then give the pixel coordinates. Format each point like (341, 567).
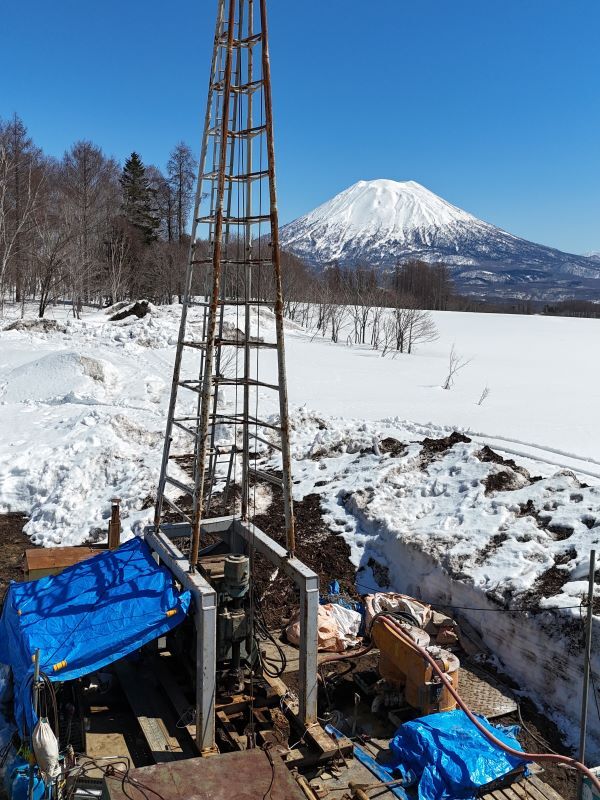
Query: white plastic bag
(337, 628)
(45, 748)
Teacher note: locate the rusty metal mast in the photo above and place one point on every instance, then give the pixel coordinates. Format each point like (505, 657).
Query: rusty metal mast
(233, 273)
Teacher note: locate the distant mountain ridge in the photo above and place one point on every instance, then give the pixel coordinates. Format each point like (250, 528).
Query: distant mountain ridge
(383, 222)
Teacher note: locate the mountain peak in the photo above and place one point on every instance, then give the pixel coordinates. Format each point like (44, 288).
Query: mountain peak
(399, 211)
(383, 222)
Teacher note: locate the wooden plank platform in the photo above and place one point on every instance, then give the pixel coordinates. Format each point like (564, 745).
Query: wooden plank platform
(182, 707)
(153, 715)
(531, 788)
(43, 561)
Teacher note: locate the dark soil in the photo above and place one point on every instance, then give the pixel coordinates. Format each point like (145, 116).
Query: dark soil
(319, 548)
(392, 446)
(488, 455)
(138, 309)
(548, 584)
(431, 448)
(491, 547)
(381, 572)
(503, 481)
(13, 543)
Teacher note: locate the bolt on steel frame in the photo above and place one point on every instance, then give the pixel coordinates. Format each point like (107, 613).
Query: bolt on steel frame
(233, 273)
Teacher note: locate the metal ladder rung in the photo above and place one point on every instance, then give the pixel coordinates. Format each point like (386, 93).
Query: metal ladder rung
(233, 419)
(185, 429)
(232, 343)
(264, 441)
(248, 41)
(258, 303)
(265, 476)
(249, 132)
(244, 382)
(242, 177)
(176, 509)
(236, 262)
(246, 87)
(256, 219)
(179, 485)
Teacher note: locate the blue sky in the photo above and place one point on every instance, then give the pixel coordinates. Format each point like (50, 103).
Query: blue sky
(493, 104)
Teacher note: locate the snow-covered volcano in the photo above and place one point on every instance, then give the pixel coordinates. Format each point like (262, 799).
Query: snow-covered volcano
(382, 222)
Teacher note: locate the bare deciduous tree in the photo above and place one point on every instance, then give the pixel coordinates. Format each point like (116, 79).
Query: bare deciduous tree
(455, 364)
(484, 395)
(21, 177)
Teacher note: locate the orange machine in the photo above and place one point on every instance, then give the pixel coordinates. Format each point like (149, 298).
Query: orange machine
(403, 667)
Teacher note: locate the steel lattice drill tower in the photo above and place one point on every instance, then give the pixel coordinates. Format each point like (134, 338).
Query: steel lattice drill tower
(234, 263)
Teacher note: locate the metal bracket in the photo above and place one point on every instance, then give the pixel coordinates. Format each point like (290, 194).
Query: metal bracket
(240, 536)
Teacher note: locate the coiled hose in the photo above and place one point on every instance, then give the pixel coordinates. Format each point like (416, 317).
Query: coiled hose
(538, 757)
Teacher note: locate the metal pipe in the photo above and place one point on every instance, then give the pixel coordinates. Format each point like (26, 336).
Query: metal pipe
(247, 280)
(35, 689)
(114, 526)
(586, 667)
(288, 506)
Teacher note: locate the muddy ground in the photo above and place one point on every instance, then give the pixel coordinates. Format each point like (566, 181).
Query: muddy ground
(13, 543)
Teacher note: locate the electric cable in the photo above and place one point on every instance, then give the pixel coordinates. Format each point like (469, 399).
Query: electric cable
(369, 590)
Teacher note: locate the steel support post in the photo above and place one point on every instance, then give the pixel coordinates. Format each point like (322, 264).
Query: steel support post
(585, 692)
(309, 609)
(205, 601)
(307, 582)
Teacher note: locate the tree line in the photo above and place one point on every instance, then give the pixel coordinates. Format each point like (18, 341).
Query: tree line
(85, 229)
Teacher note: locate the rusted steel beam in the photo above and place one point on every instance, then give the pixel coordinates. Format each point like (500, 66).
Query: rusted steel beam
(114, 526)
(212, 313)
(290, 533)
(187, 290)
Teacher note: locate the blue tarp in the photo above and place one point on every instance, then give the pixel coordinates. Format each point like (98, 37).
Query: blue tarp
(90, 615)
(450, 757)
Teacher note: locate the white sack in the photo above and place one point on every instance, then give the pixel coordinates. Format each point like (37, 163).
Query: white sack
(45, 748)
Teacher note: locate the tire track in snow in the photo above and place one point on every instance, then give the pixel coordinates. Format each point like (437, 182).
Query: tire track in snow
(538, 447)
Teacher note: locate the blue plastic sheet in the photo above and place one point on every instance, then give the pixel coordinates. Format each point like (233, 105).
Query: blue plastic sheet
(90, 615)
(450, 757)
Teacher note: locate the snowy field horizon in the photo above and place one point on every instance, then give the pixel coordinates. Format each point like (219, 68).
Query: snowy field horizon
(541, 404)
(82, 415)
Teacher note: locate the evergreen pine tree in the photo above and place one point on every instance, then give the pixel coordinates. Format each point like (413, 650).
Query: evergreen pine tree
(138, 201)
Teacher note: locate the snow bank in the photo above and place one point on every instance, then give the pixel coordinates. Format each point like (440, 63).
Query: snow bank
(425, 519)
(58, 377)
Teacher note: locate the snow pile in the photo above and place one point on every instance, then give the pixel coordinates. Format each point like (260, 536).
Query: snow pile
(490, 524)
(60, 377)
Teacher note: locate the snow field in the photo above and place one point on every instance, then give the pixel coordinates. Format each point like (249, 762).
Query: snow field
(82, 415)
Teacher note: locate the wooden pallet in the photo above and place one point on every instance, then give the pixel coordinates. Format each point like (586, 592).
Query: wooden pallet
(531, 788)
